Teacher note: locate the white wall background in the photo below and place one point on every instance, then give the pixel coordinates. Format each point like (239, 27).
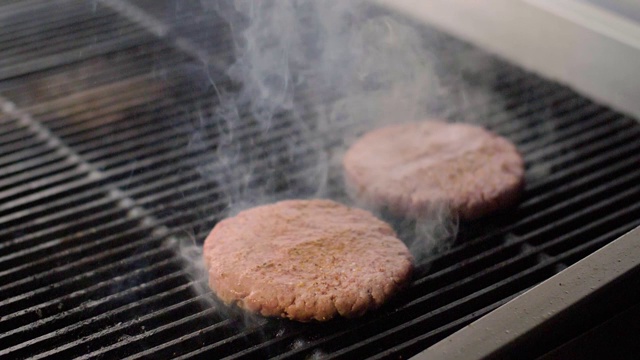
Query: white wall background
(585, 44)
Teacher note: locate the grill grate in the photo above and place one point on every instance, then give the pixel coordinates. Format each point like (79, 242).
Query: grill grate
(98, 168)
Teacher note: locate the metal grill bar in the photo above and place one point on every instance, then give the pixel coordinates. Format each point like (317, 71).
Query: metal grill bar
(18, 7)
(35, 175)
(40, 250)
(105, 317)
(614, 215)
(62, 38)
(132, 275)
(18, 217)
(33, 241)
(74, 258)
(73, 56)
(436, 334)
(68, 79)
(607, 154)
(28, 28)
(480, 261)
(13, 137)
(182, 321)
(134, 14)
(8, 124)
(135, 87)
(393, 332)
(31, 164)
(222, 189)
(20, 154)
(462, 252)
(159, 260)
(163, 350)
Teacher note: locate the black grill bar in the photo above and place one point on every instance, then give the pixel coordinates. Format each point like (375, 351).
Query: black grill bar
(18, 154)
(462, 252)
(32, 241)
(8, 124)
(83, 310)
(586, 183)
(548, 265)
(183, 42)
(70, 348)
(12, 8)
(15, 218)
(164, 350)
(39, 26)
(587, 195)
(515, 245)
(402, 315)
(578, 122)
(176, 287)
(579, 140)
(41, 183)
(71, 298)
(131, 89)
(25, 139)
(74, 258)
(73, 56)
(554, 263)
(596, 175)
(39, 249)
(226, 346)
(436, 334)
(92, 72)
(73, 295)
(34, 175)
(64, 39)
(182, 321)
(24, 165)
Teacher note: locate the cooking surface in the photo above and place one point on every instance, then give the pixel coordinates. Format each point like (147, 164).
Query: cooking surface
(102, 146)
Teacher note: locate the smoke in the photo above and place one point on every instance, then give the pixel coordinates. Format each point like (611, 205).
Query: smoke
(309, 77)
(312, 76)
(321, 73)
(185, 245)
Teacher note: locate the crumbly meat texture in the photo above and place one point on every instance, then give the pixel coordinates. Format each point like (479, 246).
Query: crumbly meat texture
(409, 168)
(306, 260)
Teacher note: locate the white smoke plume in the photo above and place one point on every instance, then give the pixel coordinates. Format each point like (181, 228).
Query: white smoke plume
(334, 69)
(312, 75)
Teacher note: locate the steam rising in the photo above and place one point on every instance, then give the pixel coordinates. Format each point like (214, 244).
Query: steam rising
(324, 71)
(313, 76)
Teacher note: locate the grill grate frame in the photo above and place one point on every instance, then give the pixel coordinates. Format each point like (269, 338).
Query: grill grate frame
(98, 171)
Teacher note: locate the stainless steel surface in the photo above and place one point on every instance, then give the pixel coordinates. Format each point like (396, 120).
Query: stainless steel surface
(592, 49)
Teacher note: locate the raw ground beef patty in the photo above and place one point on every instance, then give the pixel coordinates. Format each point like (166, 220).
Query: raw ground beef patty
(306, 260)
(409, 168)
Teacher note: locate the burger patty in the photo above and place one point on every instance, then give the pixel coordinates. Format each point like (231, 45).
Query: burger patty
(409, 168)
(306, 260)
